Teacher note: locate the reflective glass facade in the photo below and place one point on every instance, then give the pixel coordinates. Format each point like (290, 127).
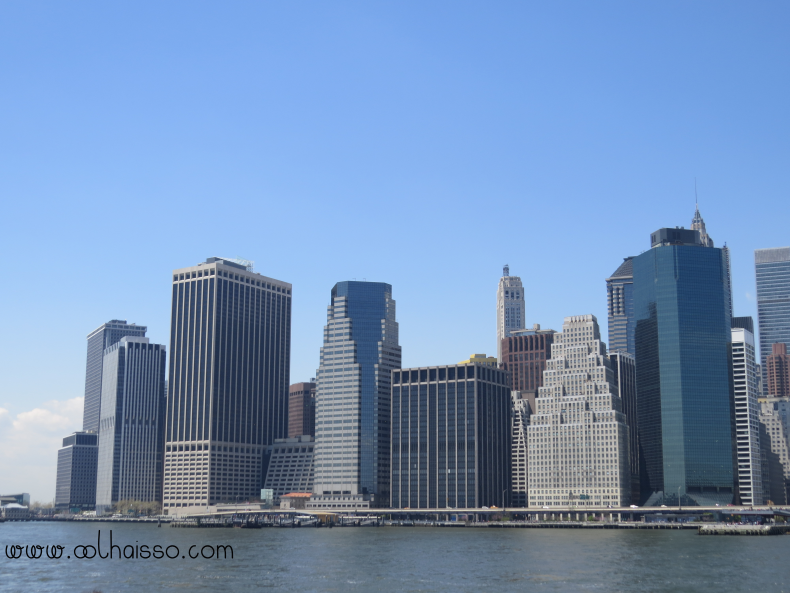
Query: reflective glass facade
(451, 443)
(772, 270)
(353, 394)
(620, 301)
(683, 373)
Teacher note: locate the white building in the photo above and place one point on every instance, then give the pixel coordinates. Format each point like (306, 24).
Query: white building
(510, 312)
(747, 417)
(578, 437)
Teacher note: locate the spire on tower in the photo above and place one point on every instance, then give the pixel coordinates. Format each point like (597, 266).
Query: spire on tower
(506, 270)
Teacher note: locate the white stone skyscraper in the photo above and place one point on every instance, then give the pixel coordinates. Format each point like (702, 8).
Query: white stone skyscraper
(747, 412)
(578, 437)
(510, 312)
(352, 454)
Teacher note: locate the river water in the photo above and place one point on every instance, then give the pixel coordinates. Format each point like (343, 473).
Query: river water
(398, 559)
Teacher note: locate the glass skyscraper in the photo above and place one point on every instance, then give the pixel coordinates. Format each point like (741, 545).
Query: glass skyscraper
(620, 301)
(99, 340)
(353, 397)
(772, 269)
(683, 372)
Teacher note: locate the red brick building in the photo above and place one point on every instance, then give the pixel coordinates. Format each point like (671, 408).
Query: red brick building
(301, 410)
(778, 371)
(524, 354)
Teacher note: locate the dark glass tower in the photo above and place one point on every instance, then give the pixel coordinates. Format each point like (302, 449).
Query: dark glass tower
(353, 395)
(99, 340)
(683, 372)
(76, 482)
(620, 301)
(131, 433)
(772, 269)
(451, 437)
(230, 344)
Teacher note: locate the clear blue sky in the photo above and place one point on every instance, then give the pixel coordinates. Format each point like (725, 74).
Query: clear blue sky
(420, 144)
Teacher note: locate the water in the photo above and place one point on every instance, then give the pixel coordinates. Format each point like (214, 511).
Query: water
(401, 559)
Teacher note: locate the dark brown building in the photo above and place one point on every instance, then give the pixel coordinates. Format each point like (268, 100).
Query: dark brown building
(301, 410)
(778, 371)
(524, 354)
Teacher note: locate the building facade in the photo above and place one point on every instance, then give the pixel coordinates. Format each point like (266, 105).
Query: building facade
(227, 400)
(747, 414)
(510, 308)
(75, 487)
(775, 420)
(131, 429)
(291, 466)
(353, 396)
(683, 377)
(772, 271)
(624, 370)
(450, 437)
(620, 304)
(521, 410)
(301, 410)
(524, 356)
(481, 359)
(99, 340)
(778, 371)
(698, 224)
(578, 437)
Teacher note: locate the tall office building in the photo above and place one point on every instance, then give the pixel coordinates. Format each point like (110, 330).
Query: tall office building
(772, 269)
(227, 400)
(624, 370)
(778, 371)
(352, 457)
(683, 379)
(510, 311)
(301, 410)
(620, 303)
(75, 487)
(747, 412)
(131, 430)
(521, 410)
(698, 224)
(450, 437)
(578, 438)
(99, 340)
(524, 356)
(291, 467)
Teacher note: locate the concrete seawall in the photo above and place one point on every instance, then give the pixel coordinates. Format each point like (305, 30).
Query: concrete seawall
(744, 529)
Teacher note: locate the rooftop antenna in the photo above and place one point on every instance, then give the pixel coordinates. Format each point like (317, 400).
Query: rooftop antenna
(696, 200)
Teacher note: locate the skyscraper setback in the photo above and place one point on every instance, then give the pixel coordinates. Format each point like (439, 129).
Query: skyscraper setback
(352, 456)
(230, 342)
(620, 301)
(510, 308)
(99, 340)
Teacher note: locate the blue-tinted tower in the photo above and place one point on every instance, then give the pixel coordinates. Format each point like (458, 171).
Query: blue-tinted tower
(353, 396)
(620, 301)
(684, 389)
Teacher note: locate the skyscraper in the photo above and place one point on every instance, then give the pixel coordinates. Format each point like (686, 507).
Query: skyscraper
(778, 371)
(230, 343)
(620, 301)
(353, 396)
(99, 340)
(75, 487)
(578, 438)
(510, 312)
(747, 412)
(521, 409)
(624, 371)
(683, 380)
(772, 270)
(524, 355)
(698, 224)
(131, 430)
(450, 437)
(301, 410)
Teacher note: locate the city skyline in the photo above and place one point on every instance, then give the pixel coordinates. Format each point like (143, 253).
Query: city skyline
(456, 124)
